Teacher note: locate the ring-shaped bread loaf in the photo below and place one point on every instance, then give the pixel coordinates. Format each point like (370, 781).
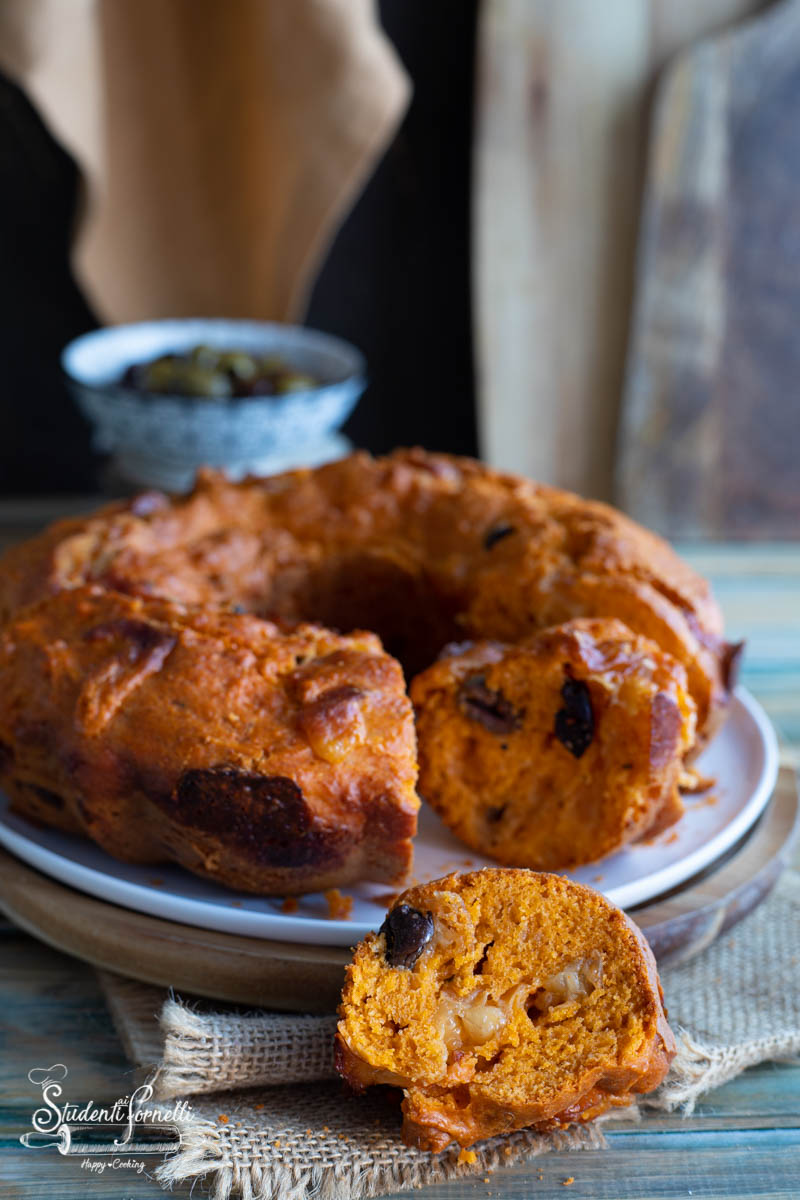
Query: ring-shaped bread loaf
(423, 549)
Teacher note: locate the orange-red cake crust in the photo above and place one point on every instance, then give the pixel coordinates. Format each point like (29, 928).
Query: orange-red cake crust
(421, 548)
(477, 553)
(273, 764)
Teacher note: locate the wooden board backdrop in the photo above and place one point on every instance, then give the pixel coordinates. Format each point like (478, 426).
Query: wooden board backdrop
(562, 103)
(710, 441)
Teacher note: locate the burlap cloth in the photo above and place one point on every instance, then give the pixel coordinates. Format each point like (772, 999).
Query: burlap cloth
(269, 1121)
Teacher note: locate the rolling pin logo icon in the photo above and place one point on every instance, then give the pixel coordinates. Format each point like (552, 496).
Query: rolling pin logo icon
(62, 1142)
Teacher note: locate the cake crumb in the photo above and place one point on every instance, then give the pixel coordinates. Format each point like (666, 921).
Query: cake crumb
(290, 904)
(691, 782)
(507, 1151)
(156, 881)
(597, 879)
(340, 908)
(566, 1182)
(258, 1106)
(223, 1118)
(276, 1145)
(466, 1157)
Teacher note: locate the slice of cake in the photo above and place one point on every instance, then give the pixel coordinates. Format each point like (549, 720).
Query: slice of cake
(502, 999)
(557, 750)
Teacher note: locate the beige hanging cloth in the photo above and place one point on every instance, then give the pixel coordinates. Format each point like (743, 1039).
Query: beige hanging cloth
(222, 141)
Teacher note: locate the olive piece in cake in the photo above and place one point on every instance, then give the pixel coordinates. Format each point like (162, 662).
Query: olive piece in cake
(406, 931)
(534, 1002)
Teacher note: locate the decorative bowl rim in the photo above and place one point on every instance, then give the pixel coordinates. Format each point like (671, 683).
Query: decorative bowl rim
(356, 378)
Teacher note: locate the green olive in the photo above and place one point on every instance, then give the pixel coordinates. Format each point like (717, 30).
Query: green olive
(214, 373)
(237, 363)
(204, 356)
(295, 383)
(184, 378)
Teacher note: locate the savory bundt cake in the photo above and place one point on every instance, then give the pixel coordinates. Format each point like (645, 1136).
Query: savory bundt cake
(422, 549)
(270, 762)
(556, 750)
(502, 999)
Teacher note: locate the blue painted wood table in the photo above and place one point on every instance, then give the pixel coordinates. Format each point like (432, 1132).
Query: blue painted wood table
(743, 1140)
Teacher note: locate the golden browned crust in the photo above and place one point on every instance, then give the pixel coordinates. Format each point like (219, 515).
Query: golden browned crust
(422, 548)
(558, 750)
(528, 1000)
(273, 764)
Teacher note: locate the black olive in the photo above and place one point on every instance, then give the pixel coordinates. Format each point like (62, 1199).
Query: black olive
(488, 707)
(575, 721)
(407, 932)
(496, 534)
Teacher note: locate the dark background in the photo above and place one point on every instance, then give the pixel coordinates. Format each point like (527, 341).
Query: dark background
(396, 280)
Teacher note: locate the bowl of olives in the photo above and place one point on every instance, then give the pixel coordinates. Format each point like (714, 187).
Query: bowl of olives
(248, 397)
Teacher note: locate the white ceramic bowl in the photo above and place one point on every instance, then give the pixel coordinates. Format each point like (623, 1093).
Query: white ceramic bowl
(160, 440)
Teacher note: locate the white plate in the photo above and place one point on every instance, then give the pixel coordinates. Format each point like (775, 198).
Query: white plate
(743, 759)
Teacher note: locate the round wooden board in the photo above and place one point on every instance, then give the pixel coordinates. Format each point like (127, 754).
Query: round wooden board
(302, 978)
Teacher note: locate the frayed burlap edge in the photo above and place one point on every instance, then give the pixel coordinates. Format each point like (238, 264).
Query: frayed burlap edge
(201, 1153)
(699, 1067)
(238, 1051)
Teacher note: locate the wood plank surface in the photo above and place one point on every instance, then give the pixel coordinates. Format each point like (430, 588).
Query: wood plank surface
(710, 424)
(561, 113)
